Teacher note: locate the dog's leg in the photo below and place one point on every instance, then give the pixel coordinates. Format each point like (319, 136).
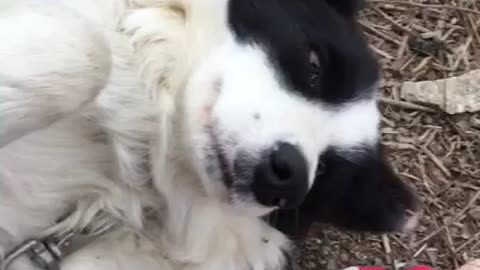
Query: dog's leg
(51, 64)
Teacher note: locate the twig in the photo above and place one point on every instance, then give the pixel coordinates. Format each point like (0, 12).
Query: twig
(407, 105)
(466, 243)
(474, 246)
(420, 250)
(380, 33)
(387, 121)
(423, 173)
(468, 186)
(403, 47)
(388, 250)
(403, 245)
(458, 216)
(393, 22)
(456, 128)
(474, 28)
(450, 244)
(382, 53)
(430, 138)
(421, 65)
(430, 6)
(386, 244)
(437, 162)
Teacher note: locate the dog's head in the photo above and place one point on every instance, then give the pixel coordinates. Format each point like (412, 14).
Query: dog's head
(282, 113)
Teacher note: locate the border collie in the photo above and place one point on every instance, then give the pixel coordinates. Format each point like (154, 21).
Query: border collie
(188, 134)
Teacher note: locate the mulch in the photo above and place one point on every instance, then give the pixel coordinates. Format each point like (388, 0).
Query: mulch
(438, 154)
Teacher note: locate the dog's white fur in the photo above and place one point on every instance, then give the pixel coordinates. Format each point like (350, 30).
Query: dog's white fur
(91, 94)
(54, 156)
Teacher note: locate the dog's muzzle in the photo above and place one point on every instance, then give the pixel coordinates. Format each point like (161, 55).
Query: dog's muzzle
(281, 177)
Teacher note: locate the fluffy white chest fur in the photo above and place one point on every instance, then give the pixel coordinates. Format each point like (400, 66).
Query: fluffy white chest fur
(185, 122)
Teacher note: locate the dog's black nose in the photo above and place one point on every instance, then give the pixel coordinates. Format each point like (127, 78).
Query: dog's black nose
(281, 178)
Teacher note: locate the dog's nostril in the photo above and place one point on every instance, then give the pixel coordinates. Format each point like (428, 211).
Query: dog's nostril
(279, 202)
(286, 162)
(280, 166)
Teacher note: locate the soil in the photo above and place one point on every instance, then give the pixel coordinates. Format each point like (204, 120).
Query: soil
(438, 154)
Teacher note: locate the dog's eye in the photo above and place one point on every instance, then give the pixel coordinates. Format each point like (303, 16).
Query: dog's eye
(321, 168)
(314, 69)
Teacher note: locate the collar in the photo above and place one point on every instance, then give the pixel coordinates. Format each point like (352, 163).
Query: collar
(44, 253)
(47, 253)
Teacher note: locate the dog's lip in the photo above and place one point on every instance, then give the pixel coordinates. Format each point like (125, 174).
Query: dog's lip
(222, 160)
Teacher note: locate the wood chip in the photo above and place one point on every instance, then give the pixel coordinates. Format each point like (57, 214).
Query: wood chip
(475, 213)
(454, 95)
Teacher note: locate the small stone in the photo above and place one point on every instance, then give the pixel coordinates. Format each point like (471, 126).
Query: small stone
(475, 213)
(344, 257)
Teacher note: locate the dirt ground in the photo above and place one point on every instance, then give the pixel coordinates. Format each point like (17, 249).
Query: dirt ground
(437, 153)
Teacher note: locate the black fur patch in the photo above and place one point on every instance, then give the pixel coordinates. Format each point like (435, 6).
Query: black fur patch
(357, 191)
(290, 30)
(347, 8)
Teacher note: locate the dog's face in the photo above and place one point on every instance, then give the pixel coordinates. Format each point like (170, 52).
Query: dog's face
(283, 114)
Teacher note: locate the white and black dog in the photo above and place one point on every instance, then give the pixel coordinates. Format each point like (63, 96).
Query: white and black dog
(208, 132)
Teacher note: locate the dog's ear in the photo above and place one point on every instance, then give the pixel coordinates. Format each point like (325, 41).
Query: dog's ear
(347, 8)
(359, 192)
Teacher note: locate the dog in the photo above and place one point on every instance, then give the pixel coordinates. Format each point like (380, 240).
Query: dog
(189, 134)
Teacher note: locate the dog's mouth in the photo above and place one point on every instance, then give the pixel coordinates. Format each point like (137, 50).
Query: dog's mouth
(238, 192)
(220, 156)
